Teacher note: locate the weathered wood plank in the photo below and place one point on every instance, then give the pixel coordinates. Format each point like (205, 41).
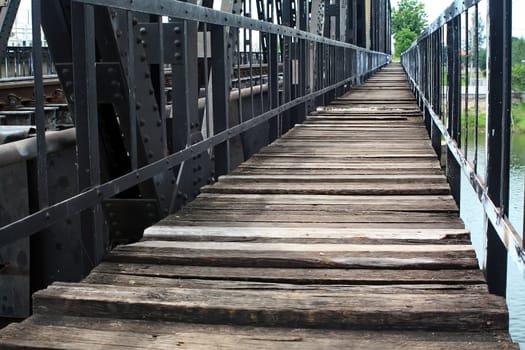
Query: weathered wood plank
(329, 289)
(362, 188)
(164, 230)
(426, 179)
(430, 312)
(277, 169)
(313, 216)
(329, 225)
(298, 276)
(293, 259)
(302, 163)
(333, 221)
(87, 333)
(302, 202)
(316, 248)
(341, 159)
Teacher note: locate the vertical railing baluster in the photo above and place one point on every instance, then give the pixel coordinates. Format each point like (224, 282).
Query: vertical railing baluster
(133, 155)
(437, 61)
(498, 135)
(467, 81)
(287, 63)
(87, 128)
(237, 52)
(221, 94)
(208, 121)
(476, 94)
(273, 85)
(40, 118)
(454, 106)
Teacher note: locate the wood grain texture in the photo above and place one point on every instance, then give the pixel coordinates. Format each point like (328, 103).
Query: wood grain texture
(316, 309)
(340, 234)
(87, 333)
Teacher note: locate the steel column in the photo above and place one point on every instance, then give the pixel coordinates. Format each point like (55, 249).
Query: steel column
(221, 95)
(86, 120)
(454, 107)
(498, 134)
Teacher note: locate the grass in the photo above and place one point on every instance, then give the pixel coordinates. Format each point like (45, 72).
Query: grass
(518, 118)
(482, 118)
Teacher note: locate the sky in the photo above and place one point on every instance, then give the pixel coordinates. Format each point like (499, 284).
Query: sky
(435, 7)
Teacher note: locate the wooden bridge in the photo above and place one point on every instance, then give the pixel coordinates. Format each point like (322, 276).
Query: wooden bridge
(341, 234)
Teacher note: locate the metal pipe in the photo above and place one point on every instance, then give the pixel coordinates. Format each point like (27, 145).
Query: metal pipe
(56, 141)
(22, 150)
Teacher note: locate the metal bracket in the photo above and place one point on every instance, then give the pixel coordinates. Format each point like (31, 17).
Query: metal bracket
(127, 218)
(173, 36)
(109, 86)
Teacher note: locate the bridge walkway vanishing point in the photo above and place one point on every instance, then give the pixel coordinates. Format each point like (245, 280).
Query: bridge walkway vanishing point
(340, 235)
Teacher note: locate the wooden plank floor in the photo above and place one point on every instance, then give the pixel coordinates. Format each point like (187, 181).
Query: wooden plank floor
(340, 235)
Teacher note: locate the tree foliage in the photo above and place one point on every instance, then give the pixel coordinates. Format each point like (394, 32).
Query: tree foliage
(404, 39)
(518, 64)
(518, 51)
(409, 16)
(518, 77)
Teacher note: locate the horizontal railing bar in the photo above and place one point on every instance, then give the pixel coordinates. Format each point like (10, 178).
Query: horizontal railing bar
(44, 218)
(184, 10)
(505, 230)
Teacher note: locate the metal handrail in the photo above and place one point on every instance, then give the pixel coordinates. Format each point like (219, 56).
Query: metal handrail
(425, 65)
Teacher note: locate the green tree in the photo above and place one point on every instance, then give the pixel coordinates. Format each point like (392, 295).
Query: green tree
(404, 39)
(518, 77)
(518, 64)
(409, 16)
(518, 50)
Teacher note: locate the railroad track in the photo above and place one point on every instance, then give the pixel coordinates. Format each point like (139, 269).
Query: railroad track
(17, 92)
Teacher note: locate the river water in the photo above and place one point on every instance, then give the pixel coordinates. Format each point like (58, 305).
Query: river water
(471, 214)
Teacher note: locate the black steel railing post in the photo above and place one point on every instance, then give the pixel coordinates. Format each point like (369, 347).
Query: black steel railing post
(87, 129)
(454, 106)
(221, 94)
(40, 120)
(287, 64)
(498, 135)
(273, 85)
(437, 82)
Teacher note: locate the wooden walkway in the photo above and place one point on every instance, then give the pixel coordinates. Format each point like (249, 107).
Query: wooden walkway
(340, 235)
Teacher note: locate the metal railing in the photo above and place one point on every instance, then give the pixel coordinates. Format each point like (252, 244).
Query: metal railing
(138, 158)
(444, 66)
